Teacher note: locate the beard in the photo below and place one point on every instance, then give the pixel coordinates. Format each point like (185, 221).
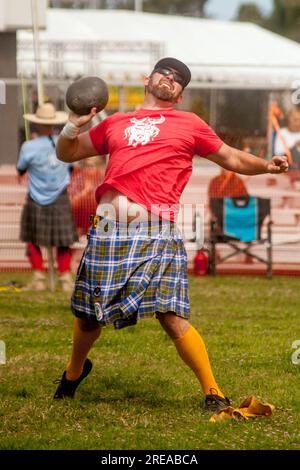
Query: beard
(161, 92)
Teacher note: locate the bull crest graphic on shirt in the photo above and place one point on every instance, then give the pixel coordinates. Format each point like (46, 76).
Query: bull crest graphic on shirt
(143, 130)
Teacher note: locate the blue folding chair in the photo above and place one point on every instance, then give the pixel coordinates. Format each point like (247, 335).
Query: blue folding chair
(238, 223)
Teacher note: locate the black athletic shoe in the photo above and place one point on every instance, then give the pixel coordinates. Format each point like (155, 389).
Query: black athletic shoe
(216, 403)
(67, 388)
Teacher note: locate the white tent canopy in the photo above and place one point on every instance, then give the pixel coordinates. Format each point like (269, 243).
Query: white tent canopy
(122, 45)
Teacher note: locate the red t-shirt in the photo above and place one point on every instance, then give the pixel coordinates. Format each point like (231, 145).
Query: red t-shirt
(151, 154)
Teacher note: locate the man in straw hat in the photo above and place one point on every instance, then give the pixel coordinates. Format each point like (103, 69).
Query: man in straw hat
(47, 215)
(135, 264)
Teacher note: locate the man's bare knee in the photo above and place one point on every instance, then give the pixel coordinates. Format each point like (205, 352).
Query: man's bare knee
(88, 325)
(173, 325)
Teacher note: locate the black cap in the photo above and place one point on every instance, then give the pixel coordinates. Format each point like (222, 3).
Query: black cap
(177, 65)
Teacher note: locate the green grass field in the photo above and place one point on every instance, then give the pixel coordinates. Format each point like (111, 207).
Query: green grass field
(139, 394)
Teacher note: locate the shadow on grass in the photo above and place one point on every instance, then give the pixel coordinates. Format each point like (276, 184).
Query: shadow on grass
(124, 390)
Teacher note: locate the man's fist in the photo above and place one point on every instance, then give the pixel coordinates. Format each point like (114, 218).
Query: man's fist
(80, 121)
(278, 165)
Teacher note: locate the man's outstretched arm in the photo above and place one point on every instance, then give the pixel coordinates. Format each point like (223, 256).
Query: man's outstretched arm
(247, 164)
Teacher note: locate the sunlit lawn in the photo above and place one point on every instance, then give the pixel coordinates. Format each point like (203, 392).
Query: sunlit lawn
(139, 394)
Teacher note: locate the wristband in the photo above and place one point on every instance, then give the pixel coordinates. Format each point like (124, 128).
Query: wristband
(70, 131)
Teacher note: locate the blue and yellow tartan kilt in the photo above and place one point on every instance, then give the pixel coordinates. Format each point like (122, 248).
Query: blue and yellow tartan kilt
(130, 272)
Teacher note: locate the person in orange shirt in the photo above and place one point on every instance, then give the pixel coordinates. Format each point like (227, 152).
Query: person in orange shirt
(85, 179)
(226, 184)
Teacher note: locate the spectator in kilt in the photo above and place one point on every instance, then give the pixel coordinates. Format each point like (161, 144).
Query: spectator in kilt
(47, 216)
(135, 264)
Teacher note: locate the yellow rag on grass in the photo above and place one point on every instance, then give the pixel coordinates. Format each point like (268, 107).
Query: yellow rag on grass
(249, 408)
(10, 289)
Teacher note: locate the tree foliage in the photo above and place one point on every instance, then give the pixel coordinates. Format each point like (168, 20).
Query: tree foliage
(284, 18)
(187, 7)
(250, 12)
(179, 7)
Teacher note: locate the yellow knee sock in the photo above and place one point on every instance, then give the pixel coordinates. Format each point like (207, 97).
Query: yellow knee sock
(192, 350)
(82, 343)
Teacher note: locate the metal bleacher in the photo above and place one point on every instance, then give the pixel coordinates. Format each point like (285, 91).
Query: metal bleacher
(285, 211)
(12, 197)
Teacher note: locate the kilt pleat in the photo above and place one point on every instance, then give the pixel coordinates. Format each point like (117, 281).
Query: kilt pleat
(122, 276)
(50, 225)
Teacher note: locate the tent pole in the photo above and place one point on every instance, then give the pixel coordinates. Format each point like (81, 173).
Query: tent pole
(122, 99)
(270, 127)
(40, 87)
(213, 108)
(51, 268)
(138, 5)
(37, 50)
(25, 107)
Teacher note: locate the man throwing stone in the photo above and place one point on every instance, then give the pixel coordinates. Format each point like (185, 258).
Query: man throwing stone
(137, 266)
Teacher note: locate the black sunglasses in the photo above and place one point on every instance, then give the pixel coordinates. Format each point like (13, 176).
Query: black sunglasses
(176, 76)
